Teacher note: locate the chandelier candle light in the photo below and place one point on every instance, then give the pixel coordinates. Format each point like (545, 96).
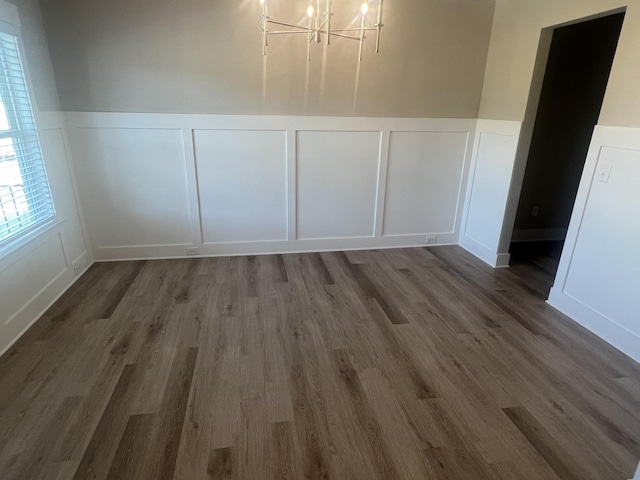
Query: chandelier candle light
(319, 23)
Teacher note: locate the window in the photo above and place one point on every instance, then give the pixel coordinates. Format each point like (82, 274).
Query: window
(25, 198)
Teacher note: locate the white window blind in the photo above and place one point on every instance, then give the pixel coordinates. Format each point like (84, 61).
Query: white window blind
(25, 198)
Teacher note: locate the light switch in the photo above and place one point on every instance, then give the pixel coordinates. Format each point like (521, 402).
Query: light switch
(604, 172)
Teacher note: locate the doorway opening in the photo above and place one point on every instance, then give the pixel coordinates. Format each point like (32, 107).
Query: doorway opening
(571, 86)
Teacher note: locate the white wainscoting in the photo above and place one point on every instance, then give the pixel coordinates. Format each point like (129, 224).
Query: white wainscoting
(248, 203)
(39, 268)
(598, 280)
(337, 182)
(134, 187)
(421, 196)
(494, 155)
(154, 185)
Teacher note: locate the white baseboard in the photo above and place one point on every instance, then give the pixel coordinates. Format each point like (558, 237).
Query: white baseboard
(502, 260)
(484, 253)
(274, 247)
(54, 290)
(616, 335)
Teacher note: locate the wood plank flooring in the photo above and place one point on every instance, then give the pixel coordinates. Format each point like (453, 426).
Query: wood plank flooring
(396, 364)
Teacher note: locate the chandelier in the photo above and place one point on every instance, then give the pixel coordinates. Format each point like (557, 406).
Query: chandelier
(319, 28)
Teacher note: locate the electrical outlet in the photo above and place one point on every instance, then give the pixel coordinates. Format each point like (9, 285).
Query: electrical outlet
(535, 211)
(77, 269)
(431, 239)
(193, 251)
(603, 173)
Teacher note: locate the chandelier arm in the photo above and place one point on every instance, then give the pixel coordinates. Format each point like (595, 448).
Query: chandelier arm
(328, 21)
(365, 29)
(288, 25)
(350, 37)
(378, 26)
(284, 32)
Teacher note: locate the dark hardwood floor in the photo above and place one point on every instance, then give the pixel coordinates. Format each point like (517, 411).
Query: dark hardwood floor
(397, 364)
(538, 262)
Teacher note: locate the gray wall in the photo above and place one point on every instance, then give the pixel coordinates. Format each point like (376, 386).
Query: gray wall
(205, 56)
(514, 45)
(37, 58)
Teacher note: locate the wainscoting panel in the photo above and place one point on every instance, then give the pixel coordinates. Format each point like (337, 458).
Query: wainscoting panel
(603, 215)
(162, 185)
(337, 180)
(36, 269)
(597, 282)
(242, 185)
(424, 182)
(488, 189)
(134, 187)
(61, 180)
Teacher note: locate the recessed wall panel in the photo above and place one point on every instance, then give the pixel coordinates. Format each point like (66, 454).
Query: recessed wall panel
(134, 186)
(60, 179)
(24, 279)
(423, 182)
(604, 273)
(242, 177)
(337, 176)
(490, 188)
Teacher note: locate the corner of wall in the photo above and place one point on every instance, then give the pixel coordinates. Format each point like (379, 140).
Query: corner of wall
(37, 273)
(40, 267)
(488, 187)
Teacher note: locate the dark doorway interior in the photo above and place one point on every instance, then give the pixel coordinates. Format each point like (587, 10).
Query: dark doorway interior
(573, 89)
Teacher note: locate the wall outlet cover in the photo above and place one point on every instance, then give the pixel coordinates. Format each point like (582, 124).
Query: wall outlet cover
(603, 173)
(431, 239)
(193, 251)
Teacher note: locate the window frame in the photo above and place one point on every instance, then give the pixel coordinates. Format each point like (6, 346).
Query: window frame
(10, 25)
